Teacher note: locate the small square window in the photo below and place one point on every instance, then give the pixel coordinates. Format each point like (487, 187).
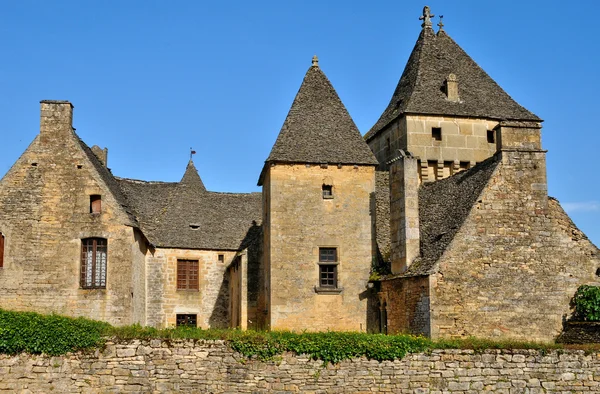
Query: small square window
(186, 320)
(95, 203)
(436, 133)
(221, 258)
(327, 255)
(327, 191)
(491, 136)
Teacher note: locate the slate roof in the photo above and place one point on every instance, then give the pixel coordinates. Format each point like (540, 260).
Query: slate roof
(443, 208)
(421, 86)
(185, 215)
(318, 128)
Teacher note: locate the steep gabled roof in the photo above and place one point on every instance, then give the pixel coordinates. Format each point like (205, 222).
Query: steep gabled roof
(443, 207)
(421, 86)
(318, 128)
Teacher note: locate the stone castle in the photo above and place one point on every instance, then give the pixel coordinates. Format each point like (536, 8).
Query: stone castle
(436, 222)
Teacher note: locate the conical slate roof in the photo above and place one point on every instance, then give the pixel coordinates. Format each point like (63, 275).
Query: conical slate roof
(318, 128)
(421, 87)
(191, 177)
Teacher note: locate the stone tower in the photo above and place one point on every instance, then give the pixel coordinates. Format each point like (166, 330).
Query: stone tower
(318, 190)
(443, 110)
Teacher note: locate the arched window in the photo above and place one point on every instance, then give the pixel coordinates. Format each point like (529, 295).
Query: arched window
(1, 250)
(93, 263)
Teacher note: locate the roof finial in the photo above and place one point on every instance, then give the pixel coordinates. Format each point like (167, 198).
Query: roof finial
(441, 23)
(192, 152)
(426, 17)
(315, 61)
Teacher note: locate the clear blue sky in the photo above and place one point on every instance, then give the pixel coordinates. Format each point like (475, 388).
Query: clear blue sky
(150, 79)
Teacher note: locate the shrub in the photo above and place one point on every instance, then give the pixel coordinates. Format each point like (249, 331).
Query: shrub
(587, 303)
(51, 334)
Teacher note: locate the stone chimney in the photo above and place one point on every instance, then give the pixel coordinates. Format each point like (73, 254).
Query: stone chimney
(524, 161)
(101, 154)
(452, 88)
(56, 119)
(404, 211)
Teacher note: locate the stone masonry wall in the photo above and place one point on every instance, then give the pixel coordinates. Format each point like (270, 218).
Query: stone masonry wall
(45, 214)
(210, 367)
(210, 302)
(407, 305)
(516, 262)
(463, 143)
(298, 222)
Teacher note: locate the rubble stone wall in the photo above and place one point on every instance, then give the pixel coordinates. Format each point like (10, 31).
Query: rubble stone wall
(211, 367)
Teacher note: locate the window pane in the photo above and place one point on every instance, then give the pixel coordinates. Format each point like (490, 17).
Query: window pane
(327, 254)
(327, 274)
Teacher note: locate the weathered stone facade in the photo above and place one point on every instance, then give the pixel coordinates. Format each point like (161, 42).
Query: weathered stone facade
(299, 221)
(210, 367)
(463, 143)
(45, 215)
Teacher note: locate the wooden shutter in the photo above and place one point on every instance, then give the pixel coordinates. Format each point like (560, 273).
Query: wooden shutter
(95, 203)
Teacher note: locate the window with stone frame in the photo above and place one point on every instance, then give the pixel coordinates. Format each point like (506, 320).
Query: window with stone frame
(1, 250)
(94, 253)
(187, 275)
(186, 320)
(328, 268)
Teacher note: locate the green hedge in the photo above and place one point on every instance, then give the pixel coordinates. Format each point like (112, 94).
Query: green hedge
(51, 334)
(587, 303)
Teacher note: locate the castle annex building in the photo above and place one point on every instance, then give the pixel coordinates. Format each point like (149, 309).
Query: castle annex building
(436, 222)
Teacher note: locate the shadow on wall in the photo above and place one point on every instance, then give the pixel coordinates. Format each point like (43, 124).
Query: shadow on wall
(219, 317)
(377, 265)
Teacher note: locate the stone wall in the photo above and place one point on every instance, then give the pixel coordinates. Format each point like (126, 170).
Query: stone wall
(298, 222)
(210, 367)
(210, 303)
(407, 305)
(45, 214)
(517, 260)
(464, 142)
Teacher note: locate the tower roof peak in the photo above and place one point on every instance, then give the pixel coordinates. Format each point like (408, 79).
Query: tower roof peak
(426, 17)
(191, 177)
(423, 89)
(318, 128)
(315, 61)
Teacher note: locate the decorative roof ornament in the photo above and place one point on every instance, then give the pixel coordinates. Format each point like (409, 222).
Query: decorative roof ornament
(441, 23)
(426, 17)
(315, 61)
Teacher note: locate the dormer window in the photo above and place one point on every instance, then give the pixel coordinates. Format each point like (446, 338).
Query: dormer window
(327, 191)
(95, 203)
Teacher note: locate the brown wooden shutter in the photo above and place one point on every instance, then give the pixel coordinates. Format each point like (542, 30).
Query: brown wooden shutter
(181, 274)
(95, 203)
